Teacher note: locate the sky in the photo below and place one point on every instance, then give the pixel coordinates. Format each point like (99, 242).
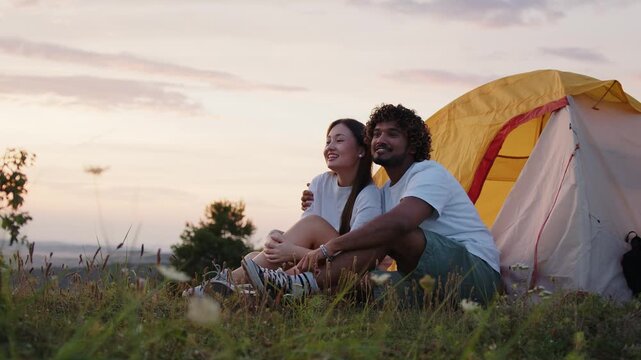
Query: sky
(188, 102)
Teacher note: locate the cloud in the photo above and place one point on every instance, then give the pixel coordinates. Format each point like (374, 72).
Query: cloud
(493, 13)
(439, 77)
(576, 53)
(123, 61)
(101, 93)
(496, 13)
(23, 3)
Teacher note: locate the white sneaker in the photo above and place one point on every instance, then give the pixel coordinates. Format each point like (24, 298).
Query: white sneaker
(221, 283)
(272, 282)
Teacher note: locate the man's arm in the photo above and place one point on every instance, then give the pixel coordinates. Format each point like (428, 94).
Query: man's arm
(402, 219)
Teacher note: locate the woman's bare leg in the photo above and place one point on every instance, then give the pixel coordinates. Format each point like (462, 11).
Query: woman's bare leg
(238, 275)
(309, 233)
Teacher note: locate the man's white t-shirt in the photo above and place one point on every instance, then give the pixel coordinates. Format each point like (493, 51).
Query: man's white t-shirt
(454, 217)
(330, 199)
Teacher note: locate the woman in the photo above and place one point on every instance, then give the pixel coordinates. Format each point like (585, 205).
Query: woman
(344, 199)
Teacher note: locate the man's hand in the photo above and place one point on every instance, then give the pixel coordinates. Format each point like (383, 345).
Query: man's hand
(309, 262)
(306, 200)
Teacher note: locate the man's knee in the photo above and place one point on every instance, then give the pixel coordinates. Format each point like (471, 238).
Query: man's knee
(413, 241)
(407, 250)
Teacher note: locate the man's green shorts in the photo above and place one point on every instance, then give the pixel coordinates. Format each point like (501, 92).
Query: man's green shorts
(456, 274)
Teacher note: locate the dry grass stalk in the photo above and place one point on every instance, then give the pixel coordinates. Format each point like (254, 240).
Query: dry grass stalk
(95, 254)
(31, 247)
(104, 264)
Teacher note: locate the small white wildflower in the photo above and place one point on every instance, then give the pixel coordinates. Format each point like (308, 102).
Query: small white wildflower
(545, 293)
(203, 310)
(380, 279)
(171, 273)
(469, 305)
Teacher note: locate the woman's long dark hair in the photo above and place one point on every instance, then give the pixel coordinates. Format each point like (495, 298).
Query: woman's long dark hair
(363, 174)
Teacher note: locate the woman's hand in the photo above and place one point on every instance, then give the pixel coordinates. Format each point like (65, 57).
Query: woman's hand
(278, 251)
(274, 238)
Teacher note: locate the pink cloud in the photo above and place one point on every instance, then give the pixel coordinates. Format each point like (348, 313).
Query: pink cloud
(576, 53)
(492, 13)
(123, 61)
(101, 93)
(439, 77)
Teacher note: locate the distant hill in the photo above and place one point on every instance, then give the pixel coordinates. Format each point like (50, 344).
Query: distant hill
(70, 254)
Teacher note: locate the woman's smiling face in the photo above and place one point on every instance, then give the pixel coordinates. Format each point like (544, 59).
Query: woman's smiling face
(341, 148)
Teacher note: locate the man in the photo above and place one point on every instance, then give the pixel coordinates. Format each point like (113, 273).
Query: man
(430, 226)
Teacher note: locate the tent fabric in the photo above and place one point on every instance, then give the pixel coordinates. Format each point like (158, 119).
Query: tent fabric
(471, 122)
(610, 159)
(566, 224)
(464, 130)
(523, 229)
(553, 164)
(495, 146)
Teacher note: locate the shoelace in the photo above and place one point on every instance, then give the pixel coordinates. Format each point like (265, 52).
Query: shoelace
(276, 279)
(220, 274)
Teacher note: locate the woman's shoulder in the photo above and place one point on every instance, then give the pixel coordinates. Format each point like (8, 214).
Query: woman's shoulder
(370, 191)
(369, 200)
(324, 177)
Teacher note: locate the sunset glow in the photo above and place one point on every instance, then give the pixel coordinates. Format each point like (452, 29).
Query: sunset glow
(187, 102)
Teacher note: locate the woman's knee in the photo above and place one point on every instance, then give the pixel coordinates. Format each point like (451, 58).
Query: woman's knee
(314, 220)
(251, 255)
(312, 230)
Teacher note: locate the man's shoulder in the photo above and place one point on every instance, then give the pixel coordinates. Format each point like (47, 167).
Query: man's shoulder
(428, 172)
(427, 167)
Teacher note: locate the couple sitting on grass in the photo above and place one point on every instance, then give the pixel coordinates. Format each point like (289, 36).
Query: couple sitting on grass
(422, 218)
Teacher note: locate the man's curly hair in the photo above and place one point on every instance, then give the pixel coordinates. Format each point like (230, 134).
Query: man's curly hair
(418, 134)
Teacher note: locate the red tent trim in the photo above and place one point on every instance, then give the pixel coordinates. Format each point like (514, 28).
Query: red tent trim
(496, 144)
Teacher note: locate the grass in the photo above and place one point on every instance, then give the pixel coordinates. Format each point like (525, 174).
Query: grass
(110, 312)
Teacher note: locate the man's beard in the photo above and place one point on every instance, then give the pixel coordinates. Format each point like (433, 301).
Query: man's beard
(389, 162)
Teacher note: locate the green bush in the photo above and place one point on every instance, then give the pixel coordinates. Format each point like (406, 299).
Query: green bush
(13, 182)
(221, 238)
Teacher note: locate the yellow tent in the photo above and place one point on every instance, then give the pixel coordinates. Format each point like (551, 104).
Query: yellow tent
(485, 137)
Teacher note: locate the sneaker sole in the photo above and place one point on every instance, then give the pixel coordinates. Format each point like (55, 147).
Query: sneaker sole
(251, 269)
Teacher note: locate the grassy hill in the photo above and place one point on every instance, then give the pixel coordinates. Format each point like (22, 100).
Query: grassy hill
(117, 311)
